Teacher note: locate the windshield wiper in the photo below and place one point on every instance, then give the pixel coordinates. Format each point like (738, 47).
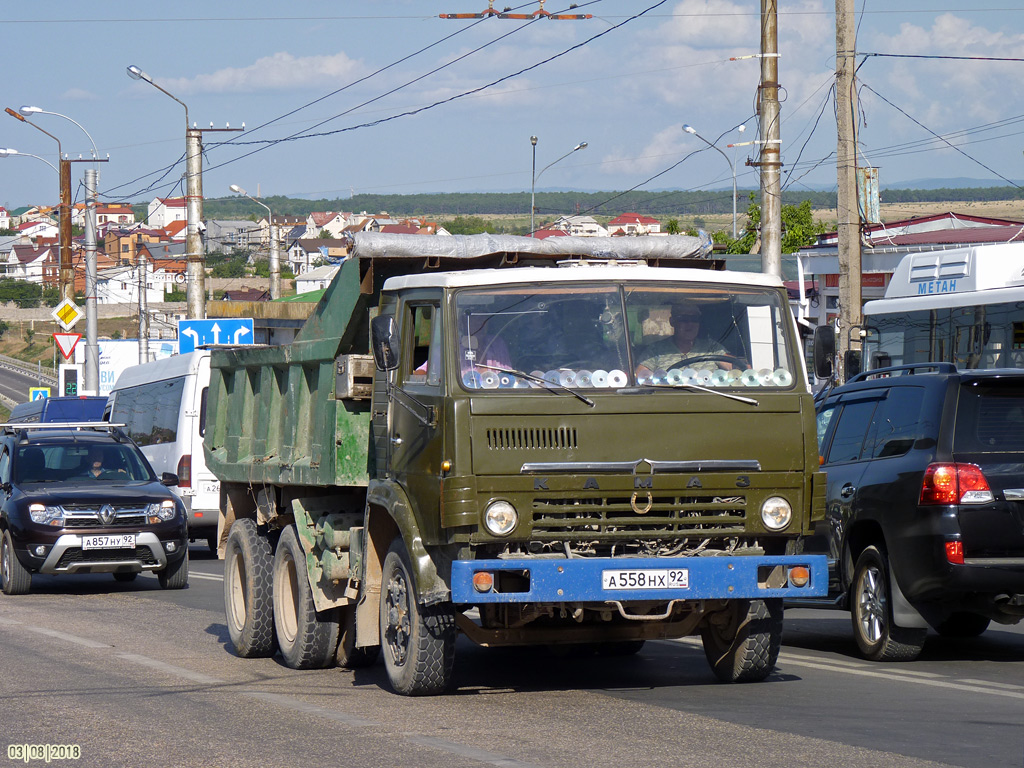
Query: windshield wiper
(550, 385)
(747, 400)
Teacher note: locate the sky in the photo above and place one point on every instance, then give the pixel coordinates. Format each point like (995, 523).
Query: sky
(340, 97)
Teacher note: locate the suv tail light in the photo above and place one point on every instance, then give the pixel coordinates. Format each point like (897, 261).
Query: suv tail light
(185, 471)
(955, 484)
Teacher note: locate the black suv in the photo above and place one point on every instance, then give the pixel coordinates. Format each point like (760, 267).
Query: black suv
(924, 522)
(83, 499)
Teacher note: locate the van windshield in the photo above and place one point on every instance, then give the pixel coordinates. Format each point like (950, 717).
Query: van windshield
(614, 336)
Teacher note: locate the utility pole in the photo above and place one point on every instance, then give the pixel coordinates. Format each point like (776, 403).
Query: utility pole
(195, 290)
(140, 265)
(847, 210)
(275, 261)
(92, 349)
(771, 150)
(67, 267)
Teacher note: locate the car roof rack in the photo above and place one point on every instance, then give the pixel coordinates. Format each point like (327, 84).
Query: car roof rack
(22, 428)
(904, 370)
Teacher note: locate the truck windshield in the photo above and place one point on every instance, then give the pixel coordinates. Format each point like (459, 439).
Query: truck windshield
(614, 336)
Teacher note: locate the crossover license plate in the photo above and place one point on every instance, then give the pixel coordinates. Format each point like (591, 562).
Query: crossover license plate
(120, 541)
(654, 578)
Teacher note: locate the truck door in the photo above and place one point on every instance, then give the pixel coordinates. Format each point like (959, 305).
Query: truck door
(417, 406)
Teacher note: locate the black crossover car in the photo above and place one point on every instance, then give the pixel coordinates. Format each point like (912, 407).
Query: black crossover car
(925, 503)
(83, 499)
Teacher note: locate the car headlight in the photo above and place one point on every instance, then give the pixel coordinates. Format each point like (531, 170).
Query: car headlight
(500, 518)
(776, 513)
(45, 515)
(164, 510)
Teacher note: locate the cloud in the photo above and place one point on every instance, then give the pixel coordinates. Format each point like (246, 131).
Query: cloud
(662, 149)
(79, 94)
(281, 71)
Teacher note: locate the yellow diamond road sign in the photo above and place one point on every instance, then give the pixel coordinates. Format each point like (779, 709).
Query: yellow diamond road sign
(67, 314)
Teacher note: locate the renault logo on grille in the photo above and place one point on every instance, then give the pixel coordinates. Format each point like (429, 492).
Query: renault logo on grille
(107, 514)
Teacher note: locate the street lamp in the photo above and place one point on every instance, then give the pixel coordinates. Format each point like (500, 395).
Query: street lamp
(275, 259)
(92, 352)
(8, 152)
(535, 175)
(732, 167)
(195, 290)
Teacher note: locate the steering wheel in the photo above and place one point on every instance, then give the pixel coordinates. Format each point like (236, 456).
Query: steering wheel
(688, 361)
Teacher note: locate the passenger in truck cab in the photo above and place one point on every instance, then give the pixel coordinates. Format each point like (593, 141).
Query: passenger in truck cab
(685, 343)
(479, 345)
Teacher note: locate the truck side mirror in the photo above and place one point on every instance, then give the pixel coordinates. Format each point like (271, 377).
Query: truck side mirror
(851, 364)
(384, 338)
(824, 346)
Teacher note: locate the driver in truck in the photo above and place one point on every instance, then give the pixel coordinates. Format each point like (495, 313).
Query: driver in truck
(685, 342)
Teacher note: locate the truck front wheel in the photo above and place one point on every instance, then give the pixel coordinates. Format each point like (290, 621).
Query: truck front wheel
(307, 637)
(418, 642)
(742, 643)
(248, 602)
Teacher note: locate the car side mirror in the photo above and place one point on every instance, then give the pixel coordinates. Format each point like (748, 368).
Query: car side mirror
(824, 346)
(384, 339)
(169, 479)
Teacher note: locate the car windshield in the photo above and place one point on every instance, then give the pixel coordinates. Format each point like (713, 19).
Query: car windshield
(58, 462)
(615, 336)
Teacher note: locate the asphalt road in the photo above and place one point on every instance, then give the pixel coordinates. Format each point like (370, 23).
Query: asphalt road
(15, 383)
(135, 676)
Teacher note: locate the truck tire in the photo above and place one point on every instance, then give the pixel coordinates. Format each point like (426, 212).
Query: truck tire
(15, 578)
(742, 644)
(348, 656)
(417, 641)
(307, 637)
(175, 575)
(878, 638)
(248, 591)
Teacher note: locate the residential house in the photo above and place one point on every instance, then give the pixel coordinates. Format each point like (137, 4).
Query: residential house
(541, 234)
(633, 224)
(246, 294)
(38, 228)
(225, 235)
(114, 213)
(177, 231)
(121, 244)
(167, 262)
(33, 264)
(120, 285)
(332, 222)
(163, 210)
(309, 253)
(5, 218)
(580, 226)
(316, 279)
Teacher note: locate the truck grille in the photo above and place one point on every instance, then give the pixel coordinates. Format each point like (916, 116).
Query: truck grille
(670, 517)
(532, 438)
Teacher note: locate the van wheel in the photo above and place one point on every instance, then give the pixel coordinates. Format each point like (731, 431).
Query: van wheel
(175, 575)
(742, 642)
(307, 637)
(347, 655)
(248, 589)
(963, 625)
(15, 578)
(417, 641)
(878, 638)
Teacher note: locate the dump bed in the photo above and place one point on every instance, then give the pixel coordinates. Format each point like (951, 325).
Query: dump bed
(300, 414)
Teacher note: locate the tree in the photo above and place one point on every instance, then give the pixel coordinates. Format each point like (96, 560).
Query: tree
(672, 226)
(798, 228)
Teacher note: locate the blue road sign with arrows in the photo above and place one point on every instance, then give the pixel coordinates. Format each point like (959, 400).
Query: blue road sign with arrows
(221, 330)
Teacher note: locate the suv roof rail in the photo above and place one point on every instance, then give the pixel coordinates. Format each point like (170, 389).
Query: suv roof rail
(905, 370)
(24, 426)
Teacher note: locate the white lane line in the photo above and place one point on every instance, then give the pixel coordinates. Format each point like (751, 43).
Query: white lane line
(480, 755)
(68, 638)
(206, 576)
(296, 705)
(1007, 686)
(170, 669)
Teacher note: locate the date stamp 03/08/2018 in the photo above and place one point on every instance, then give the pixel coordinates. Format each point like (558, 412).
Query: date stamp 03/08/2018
(47, 753)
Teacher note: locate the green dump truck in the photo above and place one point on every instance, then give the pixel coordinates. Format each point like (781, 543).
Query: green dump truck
(588, 442)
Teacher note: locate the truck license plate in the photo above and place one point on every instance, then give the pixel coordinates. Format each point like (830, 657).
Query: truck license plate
(654, 578)
(120, 541)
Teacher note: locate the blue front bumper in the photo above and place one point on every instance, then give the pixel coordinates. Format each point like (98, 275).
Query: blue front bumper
(599, 580)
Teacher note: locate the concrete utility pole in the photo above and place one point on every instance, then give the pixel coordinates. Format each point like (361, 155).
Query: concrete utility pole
(846, 166)
(92, 349)
(771, 150)
(195, 288)
(141, 266)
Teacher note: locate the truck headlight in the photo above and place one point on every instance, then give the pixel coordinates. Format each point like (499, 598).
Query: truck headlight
(500, 518)
(776, 513)
(44, 515)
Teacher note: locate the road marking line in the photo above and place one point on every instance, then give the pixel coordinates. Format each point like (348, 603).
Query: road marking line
(170, 669)
(298, 705)
(207, 576)
(480, 755)
(69, 638)
(1008, 686)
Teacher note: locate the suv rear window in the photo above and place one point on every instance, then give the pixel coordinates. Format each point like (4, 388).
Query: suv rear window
(990, 417)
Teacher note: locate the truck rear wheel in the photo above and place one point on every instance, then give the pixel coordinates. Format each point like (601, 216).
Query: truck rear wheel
(248, 601)
(417, 641)
(307, 637)
(742, 643)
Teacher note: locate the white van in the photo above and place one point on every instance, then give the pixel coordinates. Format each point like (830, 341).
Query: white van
(163, 404)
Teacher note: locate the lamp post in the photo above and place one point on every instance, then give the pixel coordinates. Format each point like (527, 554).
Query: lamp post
(275, 258)
(8, 152)
(535, 175)
(66, 278)
(732, 168)
(92, 177)
(195, 290)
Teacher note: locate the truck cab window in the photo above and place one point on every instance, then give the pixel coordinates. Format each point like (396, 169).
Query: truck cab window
(425, 355)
